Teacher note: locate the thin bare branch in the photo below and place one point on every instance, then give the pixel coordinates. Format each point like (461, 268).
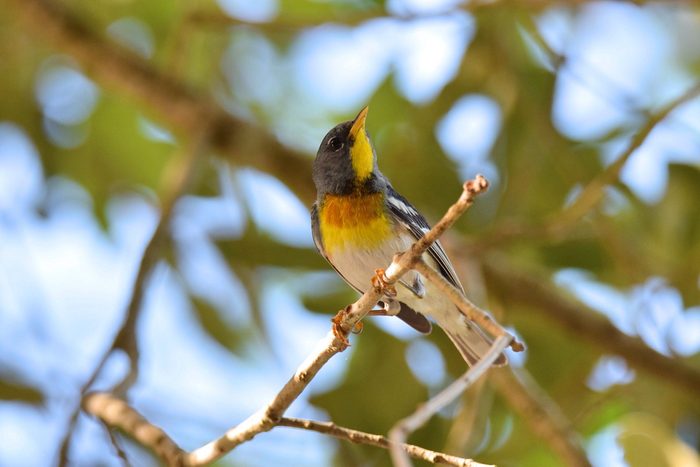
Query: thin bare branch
(529, 400)
(267, 418)
(335, 341)
(117, 446)
(400, 431)
(116, 413)
(471, 189)
(360, 437)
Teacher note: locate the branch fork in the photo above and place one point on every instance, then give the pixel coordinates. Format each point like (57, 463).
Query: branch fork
(347, 320)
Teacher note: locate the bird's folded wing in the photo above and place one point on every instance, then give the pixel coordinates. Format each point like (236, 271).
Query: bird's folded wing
(416, 224)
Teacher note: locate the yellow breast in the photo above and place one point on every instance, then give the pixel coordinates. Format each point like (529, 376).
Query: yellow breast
(357, 221)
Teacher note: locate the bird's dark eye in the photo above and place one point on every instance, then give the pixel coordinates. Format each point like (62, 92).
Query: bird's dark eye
(335, 144)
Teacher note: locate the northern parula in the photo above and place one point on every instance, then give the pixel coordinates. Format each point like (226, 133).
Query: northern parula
(359, 222)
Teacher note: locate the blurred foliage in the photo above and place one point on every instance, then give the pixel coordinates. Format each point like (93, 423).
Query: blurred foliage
(119, 147)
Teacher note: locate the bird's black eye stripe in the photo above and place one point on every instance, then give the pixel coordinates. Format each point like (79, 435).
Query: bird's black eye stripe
(335, 144)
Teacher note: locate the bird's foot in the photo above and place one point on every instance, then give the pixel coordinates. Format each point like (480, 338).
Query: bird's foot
(381, 283)
(337, 327)
(338, 330)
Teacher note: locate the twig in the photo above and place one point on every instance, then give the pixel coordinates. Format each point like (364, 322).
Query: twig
(408, 425)
(534, 406)
(466, 199)
(585, 323)
(118, 414)
(115, 412)
(360, 437)
(541, 413)
(117, 446)
(607, 89)
(335, 341)
(267, 418)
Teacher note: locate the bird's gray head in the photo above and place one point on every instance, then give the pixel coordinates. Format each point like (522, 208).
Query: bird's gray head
(345, 161)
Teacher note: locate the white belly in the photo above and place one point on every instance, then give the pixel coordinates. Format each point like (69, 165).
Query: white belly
(358, 266)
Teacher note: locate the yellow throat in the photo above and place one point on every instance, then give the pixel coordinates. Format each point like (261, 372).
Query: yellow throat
(361, 152)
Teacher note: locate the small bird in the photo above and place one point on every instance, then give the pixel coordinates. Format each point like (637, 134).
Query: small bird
(359, 222)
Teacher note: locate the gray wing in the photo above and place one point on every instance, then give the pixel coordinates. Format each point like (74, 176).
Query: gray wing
(415, 223)
(471, 341)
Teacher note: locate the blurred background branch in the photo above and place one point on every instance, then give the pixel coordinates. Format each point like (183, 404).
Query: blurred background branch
(584, 116)
(581, 322)
(177, 178)
(594, 191)
(541, 414)
(175, 102)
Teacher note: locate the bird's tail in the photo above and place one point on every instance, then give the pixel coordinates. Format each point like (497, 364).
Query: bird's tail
(471, 341)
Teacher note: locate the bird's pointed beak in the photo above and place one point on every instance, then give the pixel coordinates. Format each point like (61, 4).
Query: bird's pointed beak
(358, 125)
(361, 151)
